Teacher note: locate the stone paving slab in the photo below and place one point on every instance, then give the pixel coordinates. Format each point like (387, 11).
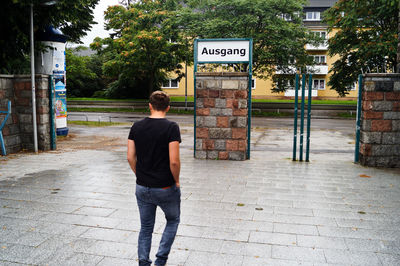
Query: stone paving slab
(76, 206)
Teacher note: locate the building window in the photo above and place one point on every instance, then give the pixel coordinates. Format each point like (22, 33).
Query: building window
(171, 84)
(172, 40)
(318, 84)
(253, 84)
(289, 17)
(289, 84)
(286, 17)
(315, 15)
(320, 59)
(321, 34)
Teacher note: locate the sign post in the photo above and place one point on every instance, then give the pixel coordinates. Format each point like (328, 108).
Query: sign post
(225, 51)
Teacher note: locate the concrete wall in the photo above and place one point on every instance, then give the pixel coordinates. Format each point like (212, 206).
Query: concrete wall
(380, 128)
(18, 132)
(221, 115)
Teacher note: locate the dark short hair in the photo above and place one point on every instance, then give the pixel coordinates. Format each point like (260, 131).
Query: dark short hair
(159, 100)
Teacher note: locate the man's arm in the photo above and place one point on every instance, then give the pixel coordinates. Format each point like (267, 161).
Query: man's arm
(174, 161)
(131, 155)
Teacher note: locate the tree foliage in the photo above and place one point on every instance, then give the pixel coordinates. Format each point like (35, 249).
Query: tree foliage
(153, 37)
(366, 39)
(278, 41)
(145, 48)
(73, 17)
(84, 73)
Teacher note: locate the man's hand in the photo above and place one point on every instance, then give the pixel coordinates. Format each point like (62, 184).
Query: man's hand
(174, 161)
(131, 155)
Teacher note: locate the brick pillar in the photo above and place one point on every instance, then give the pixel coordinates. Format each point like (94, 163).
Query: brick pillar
(380, 128)
(18, 131)
(221, 110)
(23, 107)
(11, 130)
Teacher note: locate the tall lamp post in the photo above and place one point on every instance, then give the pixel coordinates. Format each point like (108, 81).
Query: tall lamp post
(398, 43)
(35, 141)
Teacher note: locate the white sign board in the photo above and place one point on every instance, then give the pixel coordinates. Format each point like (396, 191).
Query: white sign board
(223, 51)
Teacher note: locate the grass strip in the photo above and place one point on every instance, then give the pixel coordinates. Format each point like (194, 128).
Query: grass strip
(173, 111)
(191, 99)
(347, 115)
(123, 110)
(95, 123)
(181, 98)
(106, 110)
(271, 114)
(331, 102)
(173, 99)
(105, 99)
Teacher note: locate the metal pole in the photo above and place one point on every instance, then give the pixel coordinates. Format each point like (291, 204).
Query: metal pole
(358, 120)
(8, 112)
(296, 99)
(249, 98)
(53, 137)
(398, 40)
(186, 78)
(303, 91)
(249, 112)
(3, 147)
(195, 97)
(35, 142)
(308, 117)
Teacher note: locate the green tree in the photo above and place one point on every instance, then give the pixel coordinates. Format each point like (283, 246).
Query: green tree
(276, 27)
(144, 49)
(73, 17)
(366, 39)
(83, 73)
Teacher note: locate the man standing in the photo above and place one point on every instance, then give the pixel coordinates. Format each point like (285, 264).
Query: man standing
(153, 155)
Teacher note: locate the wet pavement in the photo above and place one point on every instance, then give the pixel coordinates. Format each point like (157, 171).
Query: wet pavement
(76, 205)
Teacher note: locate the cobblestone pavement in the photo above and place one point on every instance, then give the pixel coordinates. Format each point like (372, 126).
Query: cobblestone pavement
(76, 206)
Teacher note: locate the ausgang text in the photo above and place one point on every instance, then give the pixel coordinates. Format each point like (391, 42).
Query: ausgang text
(223, 52)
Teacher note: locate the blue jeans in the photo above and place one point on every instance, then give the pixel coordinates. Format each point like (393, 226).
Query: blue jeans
(169, 201)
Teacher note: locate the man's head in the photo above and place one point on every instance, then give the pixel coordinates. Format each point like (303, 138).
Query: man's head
(159, 101)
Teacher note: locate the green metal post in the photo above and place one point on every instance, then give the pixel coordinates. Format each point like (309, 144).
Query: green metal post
(303, 91)
(249, 115)
(358, 121)
(194, 110)
(53, 137)
(249, 98)
(195, 96)
(296, 100)
(308, 118)
(186, 78)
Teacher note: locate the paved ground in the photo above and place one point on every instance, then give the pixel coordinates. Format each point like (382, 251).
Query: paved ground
(76, 206)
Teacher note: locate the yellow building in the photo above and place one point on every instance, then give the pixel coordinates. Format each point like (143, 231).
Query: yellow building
(262, 89)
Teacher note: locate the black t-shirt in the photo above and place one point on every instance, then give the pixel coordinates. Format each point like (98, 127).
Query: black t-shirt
(152, 137)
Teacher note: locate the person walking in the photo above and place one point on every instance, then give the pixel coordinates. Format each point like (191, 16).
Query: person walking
(153, 155)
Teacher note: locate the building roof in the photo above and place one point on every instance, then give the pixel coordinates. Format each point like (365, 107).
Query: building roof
(83, 51)
(321, 3)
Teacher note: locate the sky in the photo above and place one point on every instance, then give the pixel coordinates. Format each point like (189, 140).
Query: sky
(98, 29)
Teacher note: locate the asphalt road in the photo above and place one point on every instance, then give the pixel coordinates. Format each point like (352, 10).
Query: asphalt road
(345, 126)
